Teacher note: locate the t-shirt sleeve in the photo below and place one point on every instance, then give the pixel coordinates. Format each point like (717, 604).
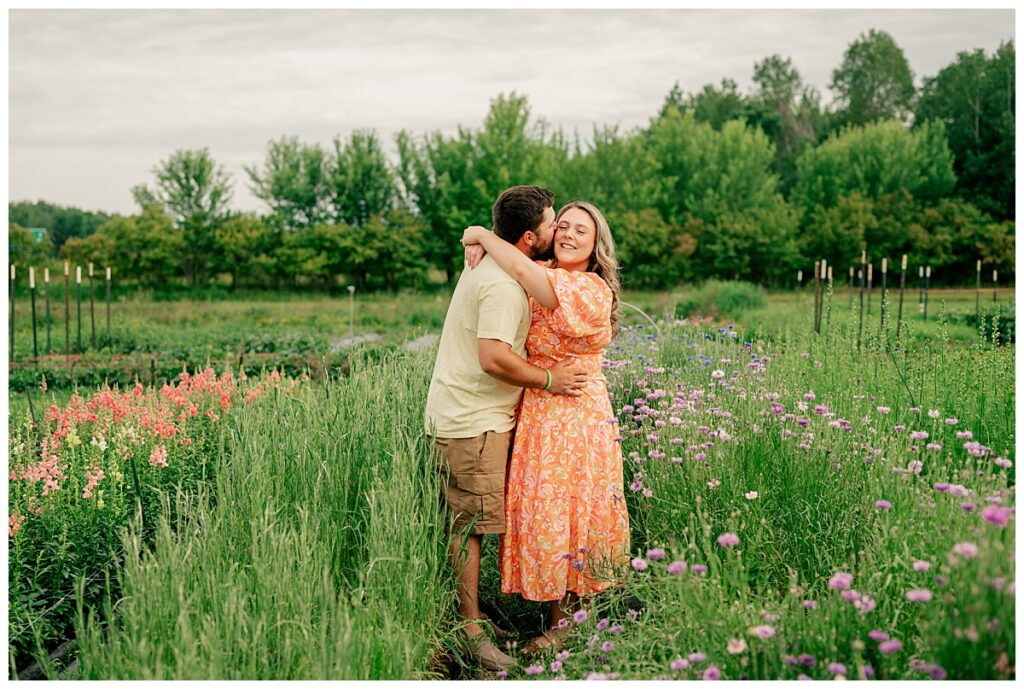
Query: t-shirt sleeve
(502, 307)
(584, 303)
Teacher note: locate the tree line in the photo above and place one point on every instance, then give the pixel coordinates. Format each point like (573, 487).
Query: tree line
(718, 184)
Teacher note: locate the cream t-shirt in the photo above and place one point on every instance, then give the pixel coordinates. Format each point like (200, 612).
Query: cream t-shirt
(463, 400)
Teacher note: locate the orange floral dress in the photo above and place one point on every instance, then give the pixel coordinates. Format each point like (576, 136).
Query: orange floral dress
(566, 527)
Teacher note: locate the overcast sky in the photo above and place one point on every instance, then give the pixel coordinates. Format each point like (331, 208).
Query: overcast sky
(97, 98)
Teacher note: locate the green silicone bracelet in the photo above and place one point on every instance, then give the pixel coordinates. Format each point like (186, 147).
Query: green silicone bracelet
(548, 386)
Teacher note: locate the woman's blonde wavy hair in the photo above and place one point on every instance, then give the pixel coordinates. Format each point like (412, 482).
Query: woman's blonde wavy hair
(602, 261)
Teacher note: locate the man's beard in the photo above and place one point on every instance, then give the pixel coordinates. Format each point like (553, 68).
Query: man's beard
(545, 254)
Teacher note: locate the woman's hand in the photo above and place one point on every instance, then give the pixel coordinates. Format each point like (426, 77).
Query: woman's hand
(473, 235)
(474, 254)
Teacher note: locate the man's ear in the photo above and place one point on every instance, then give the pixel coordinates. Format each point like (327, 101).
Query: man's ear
(530, 237)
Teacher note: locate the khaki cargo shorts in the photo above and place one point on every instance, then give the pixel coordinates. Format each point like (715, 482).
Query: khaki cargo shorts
(473, 480)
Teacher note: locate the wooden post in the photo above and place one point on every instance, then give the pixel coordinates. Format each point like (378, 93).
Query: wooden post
(824, 291)
(46, 292)
(927, 284)
(977, 293)
(67, 315)
(32, 299)
(92, 310)
(110, 341)
(881, 297)
(871, 283)
(860, 278)
(920, 285)
(10, 353)
(828, 308)
(903, 284)
(78, 280)
(995, 284)
(817, 294)
(799, 280)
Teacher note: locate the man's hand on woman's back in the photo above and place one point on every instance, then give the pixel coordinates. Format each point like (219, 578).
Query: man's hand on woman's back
(568, 378)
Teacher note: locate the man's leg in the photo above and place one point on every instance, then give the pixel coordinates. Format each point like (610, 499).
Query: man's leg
(466, 560)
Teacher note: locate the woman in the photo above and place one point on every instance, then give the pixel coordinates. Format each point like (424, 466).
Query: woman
(566, 527)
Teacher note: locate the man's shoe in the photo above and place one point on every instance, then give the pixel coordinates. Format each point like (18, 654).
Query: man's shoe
(483, 651)
(499, 633)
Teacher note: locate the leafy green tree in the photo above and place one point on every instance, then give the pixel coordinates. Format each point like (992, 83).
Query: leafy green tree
(954, 234)
(22, 248)
(240, 240)
(195, 192)
(386, 252)
(873, 81)
(61, 222)
(875, 160)
(793, 111)
(361, 181)
(652, 253)
(974, 99)
(295, 182)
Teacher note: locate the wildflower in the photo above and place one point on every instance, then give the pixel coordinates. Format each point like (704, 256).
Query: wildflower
(840, 581)
(718, 373)
(810, 604)
(534, 669)
(632, 614)
(677, 567)
(615, 629)
(752, 495)
(952, 422)
(556, 665)
(714, 483)
(919, 595)
(918, 435)
(809, 396)
(599, 676)
(915, 467)
(921, 565)
(763, 631)
(563, 655)
(1003, 462)
(883, 504)
(933, 413)
(603, 623)
(997, 515)
(890, 646)
(728, 540)
(655, 554)
(699, 569)
(158, 457)
(696, 658)
(836, 669)
(806, 659)
(580, 616)
(850, 595)
(941, 487)
(639, 564)
(967, 506)
(964, 435)
(712, 673)
(967, 550)
(883, 410)
(679, 664)
(736, 646)
(607, 646)
(933, 447)
(501, 674)
(877, 635)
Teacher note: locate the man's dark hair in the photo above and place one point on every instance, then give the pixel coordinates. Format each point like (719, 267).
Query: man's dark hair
(519, 210)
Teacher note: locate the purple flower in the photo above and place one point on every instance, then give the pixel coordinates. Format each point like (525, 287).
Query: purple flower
(632, 614)
(869, 671)
(712, 673)
(899, 427)
(997, 515)
(840, 581)
(883, 504)
(890, 646)
(877, 635)
(809, 604)
(919, 435)
(967, 550)
(677, 567)
(501, 674)
(921, 565)
(938, 673)
(639, 564)
(655, 554)
(883, 410)
(580, 616)
(933, 447)
(615, 629)
(607, 646)
(919, 595)
(696, 658)
(850, 595)
(941, 487)
(967, 506)
(764, 631)
(699, 569)
(837, 668)
(964, 435)
(534, 669)
(556, 665)
(806, 659)
(679, 664)
(952, 422)
(727, 540)
(603, 624)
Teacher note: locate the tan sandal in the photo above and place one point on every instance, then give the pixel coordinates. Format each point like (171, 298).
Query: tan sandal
(547, 640)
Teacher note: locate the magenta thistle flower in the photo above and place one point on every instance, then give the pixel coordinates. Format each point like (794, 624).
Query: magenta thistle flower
(810, 604)
(534, 669)
(837, 668)
(919, 595)
(728, 540)
(942, 487)
(883, 504)
(655, 554)
(607, 646)
(919, 435)
(580, 616)
(883, 410)
(840, 581)
(712, 673)
(890, 646)
(806, 659)
(967, 550)
(850, 595)
(933, 447)
(699, 569)
(997, 515)
(603, 623)
(921, 565)
(679, 664)
(696, 658)
(952, 422)
(877, 635)
(677, 567)
(764, 631)
(639, 564)
(556, 665)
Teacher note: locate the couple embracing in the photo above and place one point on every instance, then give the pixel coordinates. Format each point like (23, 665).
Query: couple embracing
(519, 412)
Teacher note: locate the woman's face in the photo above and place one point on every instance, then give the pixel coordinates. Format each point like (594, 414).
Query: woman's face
(575, 236)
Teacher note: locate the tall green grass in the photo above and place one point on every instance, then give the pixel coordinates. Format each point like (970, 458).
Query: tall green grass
(319, 554)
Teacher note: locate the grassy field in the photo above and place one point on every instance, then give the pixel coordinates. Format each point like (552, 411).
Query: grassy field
(311, 544)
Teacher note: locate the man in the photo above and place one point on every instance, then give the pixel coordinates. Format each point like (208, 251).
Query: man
(475, 390)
